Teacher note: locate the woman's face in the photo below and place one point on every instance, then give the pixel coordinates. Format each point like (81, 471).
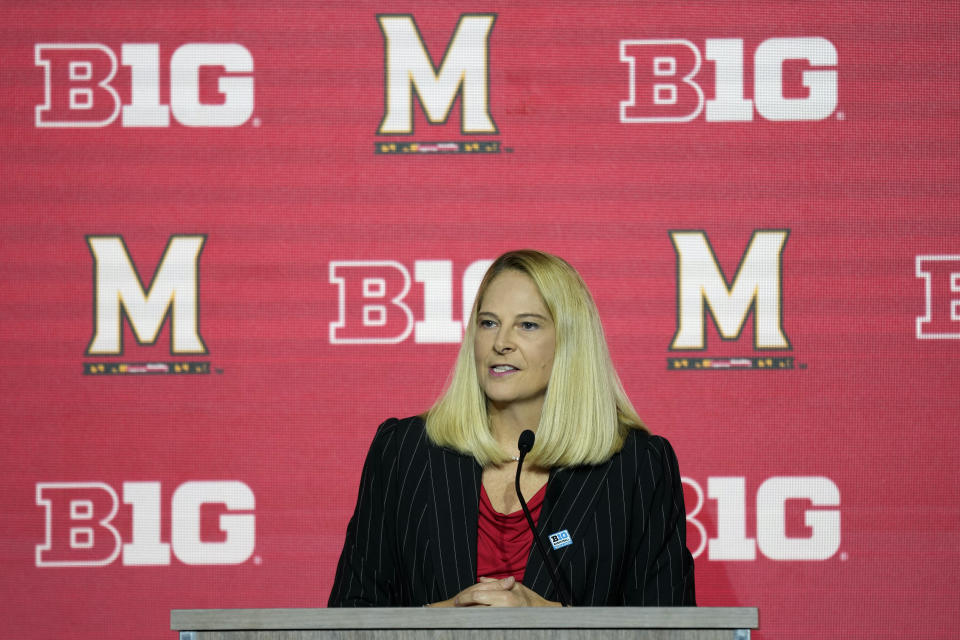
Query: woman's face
(514, 344)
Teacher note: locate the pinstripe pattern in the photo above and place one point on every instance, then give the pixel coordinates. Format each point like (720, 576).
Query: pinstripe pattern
(413, 537)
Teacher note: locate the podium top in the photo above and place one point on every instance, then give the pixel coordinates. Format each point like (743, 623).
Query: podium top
(467, 618)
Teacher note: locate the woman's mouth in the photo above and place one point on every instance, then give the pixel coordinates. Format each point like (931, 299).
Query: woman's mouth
(500, 370)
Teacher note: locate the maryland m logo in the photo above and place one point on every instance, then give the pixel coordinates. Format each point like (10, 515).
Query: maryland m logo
(756, 288)
(118, 290)
(410, 72)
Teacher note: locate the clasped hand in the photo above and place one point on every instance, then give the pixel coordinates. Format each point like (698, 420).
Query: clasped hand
(493, 592)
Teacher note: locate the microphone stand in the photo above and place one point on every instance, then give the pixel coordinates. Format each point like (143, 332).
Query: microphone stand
(524, 445)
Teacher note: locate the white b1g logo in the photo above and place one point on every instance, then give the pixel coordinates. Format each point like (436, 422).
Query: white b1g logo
(80, 532)
(663, 86)
(373, 308)
(731, 541)
(78, 90)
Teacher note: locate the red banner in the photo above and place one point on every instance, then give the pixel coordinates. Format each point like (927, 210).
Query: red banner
(237, 237)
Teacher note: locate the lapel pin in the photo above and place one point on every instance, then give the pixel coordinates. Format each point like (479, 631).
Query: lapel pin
(560, 539)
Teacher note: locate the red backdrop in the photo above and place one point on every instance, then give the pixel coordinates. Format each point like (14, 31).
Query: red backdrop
(223, 265)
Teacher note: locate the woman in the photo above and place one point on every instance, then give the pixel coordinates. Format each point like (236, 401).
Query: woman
(437, 520)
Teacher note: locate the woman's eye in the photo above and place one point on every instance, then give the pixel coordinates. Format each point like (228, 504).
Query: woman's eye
(485, 324)
(529, 326)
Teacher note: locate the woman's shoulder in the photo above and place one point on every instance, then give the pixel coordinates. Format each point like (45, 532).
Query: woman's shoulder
(400, 435)
(642, 447)
(394, 425)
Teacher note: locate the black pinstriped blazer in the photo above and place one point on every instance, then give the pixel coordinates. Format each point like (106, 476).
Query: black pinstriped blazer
(412, 539)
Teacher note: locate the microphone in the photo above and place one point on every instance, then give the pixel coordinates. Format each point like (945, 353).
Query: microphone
(524, 444)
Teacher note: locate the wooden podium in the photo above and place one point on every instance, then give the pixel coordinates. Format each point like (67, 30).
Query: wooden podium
(475, 623)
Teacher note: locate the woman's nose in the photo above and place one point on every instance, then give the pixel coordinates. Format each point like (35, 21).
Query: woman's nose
(504, 342)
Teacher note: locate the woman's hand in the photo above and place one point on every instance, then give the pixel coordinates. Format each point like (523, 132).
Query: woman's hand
(491, 592)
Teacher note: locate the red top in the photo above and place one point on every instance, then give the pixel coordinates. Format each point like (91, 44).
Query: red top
(504, 540)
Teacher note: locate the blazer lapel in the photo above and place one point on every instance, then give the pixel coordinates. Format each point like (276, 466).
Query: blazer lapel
(570, 499)
(455, 483)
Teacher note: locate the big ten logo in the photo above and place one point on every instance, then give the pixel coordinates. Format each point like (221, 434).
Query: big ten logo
(210, 85)
(373, 301)
(941, 287)
(756, 289)
(410, 73)
(173, 293)
(796, 518)
(793, 79)
(210, 523)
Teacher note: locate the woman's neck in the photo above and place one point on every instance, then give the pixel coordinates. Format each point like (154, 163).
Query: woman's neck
(507, 423)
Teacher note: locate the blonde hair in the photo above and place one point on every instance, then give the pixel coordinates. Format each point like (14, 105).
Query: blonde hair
(586, 413)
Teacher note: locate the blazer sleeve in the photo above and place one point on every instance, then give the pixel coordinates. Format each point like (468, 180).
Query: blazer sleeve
(660, 571)
(367, 570)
